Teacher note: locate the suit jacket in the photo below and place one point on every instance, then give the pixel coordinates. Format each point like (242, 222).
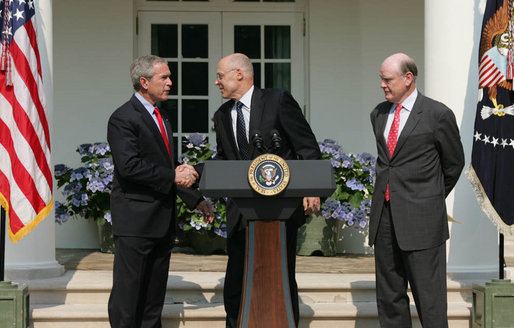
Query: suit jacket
(270, 109)
(424, 168)
(143, 197)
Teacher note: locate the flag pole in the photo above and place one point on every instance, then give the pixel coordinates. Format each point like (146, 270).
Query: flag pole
(502, 257)
(2, 244)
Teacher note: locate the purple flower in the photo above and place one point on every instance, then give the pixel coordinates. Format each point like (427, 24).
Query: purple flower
(85, 149)
(60, 170)
(61, 213)
(355, 184)
(107, 217)
(196, 139)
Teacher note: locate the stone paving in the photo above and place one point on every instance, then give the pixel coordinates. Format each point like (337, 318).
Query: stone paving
(90, 259)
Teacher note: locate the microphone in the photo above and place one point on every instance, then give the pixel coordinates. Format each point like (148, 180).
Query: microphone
(257, 140)
(276, 140)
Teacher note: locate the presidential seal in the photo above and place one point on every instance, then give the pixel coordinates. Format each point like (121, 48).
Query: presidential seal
(268, 174)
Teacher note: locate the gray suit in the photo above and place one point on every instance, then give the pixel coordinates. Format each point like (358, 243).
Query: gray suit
(412, 226)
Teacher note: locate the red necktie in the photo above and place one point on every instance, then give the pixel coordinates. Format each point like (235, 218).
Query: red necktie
(163, 131)
(392, 139)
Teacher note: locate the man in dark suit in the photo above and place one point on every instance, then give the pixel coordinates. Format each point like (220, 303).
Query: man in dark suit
(420, 158)
(261, 110)
(143, 198)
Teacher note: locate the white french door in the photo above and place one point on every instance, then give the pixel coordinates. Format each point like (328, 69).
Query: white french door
(194, 42)
(274, 43)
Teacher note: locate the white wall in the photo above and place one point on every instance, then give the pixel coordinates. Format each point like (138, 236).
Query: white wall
(348, 41)
(93, 49)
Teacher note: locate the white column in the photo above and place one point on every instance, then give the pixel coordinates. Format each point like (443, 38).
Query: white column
(34, 255)
(452, 37)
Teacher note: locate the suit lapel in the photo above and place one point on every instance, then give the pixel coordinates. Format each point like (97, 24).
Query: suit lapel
(411, 123)
(229, 130)
(381, 122)
(150, 124)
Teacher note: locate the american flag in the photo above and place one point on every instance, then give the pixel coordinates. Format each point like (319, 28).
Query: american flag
(25, 174)
(492, 160)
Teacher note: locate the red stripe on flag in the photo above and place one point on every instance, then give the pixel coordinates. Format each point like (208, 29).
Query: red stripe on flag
(27, 130)
(485, 70)
(15, 223)
(493, 78)
(485, 59)
(23, 68)
(497, 78)
(20, 174)
(33, 42)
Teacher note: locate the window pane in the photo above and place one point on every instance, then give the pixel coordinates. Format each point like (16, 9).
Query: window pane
(164, 40)
(195, 116)
(169, 110)
(195, 41)
(174, 78)
(278, 75)
(195, 79)
(247, 40)
(277, 42)
(257, 74)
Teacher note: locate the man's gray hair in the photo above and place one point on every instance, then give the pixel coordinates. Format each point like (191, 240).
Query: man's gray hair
(408, 65)
(144, 67)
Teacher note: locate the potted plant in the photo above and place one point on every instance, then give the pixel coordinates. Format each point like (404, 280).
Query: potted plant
(206, 237)
(87, 190)
(350, 203)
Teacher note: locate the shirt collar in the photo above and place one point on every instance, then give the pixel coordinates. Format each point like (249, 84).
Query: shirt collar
(408, 103)
(149, 107)
(246, 99)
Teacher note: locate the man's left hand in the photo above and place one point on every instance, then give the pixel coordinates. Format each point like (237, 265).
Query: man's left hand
(207, 210)
(311, 205)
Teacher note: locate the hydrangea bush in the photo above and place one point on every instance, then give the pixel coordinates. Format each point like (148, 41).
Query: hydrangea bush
(199, 150)
(354, 176)
(87, 188)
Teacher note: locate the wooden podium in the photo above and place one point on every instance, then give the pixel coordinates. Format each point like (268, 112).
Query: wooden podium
(266, 300)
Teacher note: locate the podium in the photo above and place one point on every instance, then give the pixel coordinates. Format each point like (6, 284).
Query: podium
(266, 299)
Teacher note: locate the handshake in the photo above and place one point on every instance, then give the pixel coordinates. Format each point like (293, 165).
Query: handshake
(185, 175)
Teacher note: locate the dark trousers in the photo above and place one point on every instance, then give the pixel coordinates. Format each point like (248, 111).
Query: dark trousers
(140, 276)
(234, 276)
(424, 270)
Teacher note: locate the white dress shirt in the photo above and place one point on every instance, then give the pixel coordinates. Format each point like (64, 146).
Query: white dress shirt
(407, 104)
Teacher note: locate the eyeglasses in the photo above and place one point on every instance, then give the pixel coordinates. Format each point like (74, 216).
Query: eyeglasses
(219, 76)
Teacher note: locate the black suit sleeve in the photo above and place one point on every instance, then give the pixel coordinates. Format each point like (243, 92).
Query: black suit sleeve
(450, 149)
(191, 197)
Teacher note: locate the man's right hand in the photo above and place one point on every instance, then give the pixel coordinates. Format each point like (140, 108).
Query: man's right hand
(185, 175)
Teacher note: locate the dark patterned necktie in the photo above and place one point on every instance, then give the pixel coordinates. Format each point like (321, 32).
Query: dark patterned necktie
(242, 142)
(392, 139)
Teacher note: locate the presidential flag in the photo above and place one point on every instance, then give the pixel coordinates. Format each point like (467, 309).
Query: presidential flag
(492, 164)
(25, 174)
